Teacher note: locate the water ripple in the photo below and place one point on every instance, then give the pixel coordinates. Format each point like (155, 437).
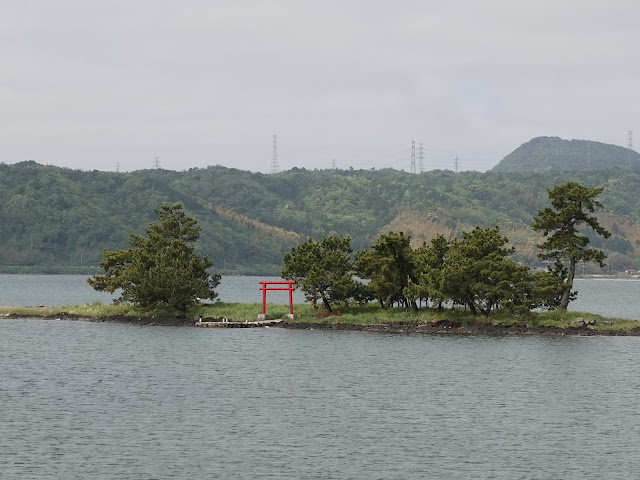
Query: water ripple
(103, 401)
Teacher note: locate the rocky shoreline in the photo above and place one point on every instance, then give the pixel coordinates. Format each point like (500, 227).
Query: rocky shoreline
(446, 327)
(440, 327)
(144, 321)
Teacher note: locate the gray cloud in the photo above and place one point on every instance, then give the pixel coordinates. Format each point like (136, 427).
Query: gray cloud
(91, 84)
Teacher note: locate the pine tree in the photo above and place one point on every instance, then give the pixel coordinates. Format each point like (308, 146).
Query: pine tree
(162, 269)
(390, 266)
(571, 207)
(322, 269)
(478, 272)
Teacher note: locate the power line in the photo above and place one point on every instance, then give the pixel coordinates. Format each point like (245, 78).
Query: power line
(156, 163)
(629, 146)
(421, 158)
(275, 168)
(334, 165)
(456, 164)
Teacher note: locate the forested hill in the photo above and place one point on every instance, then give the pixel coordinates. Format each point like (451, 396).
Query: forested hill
(552, 153)
(55, 217)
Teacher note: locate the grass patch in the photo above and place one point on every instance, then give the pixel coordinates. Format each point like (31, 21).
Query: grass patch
(367, 314)
(91, 310)
(568, 319)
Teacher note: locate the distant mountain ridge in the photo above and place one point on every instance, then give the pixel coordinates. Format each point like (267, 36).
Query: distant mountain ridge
(543, 154)
(56, 218)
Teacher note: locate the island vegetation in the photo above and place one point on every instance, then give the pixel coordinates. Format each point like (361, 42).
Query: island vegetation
(459, 281)
(475, 270)
(572, 206)
(161, 269)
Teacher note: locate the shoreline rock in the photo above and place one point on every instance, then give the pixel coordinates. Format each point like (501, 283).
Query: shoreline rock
(446, 327)
(129, 320)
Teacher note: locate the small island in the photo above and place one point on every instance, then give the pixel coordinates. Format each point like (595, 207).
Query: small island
(370, 318)
(466, 285)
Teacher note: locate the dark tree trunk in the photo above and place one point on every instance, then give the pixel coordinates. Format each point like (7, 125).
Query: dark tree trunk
(564, 303)
(388, 300)
(472, 307)
(326, 303)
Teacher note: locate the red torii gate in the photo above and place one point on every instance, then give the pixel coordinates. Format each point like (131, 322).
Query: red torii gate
(264, 287)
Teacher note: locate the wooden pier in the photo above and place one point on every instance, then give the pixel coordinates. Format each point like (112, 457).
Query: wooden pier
(258, 323)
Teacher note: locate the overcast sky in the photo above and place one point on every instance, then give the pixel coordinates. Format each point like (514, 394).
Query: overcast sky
(93, 84)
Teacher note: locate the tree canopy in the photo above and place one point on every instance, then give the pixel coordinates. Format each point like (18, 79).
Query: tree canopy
(429, 260)
(162, 268)
(572, 206)
(475, 270)
(478, 273)
(390, 266)
(322, 270)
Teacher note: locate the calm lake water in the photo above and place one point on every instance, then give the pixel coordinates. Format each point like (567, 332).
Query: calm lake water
(58, 290)
(103, 401)
(85, 400)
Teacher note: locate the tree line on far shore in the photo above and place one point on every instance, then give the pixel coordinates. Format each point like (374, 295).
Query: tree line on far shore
(474, 270)
(59, 220)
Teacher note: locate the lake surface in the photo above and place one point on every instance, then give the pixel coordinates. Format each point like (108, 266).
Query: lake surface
(59, 290)
(91, 400)
(102, 401)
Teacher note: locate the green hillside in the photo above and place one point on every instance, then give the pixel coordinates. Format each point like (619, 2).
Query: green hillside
(552, 153)
(54, 218)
